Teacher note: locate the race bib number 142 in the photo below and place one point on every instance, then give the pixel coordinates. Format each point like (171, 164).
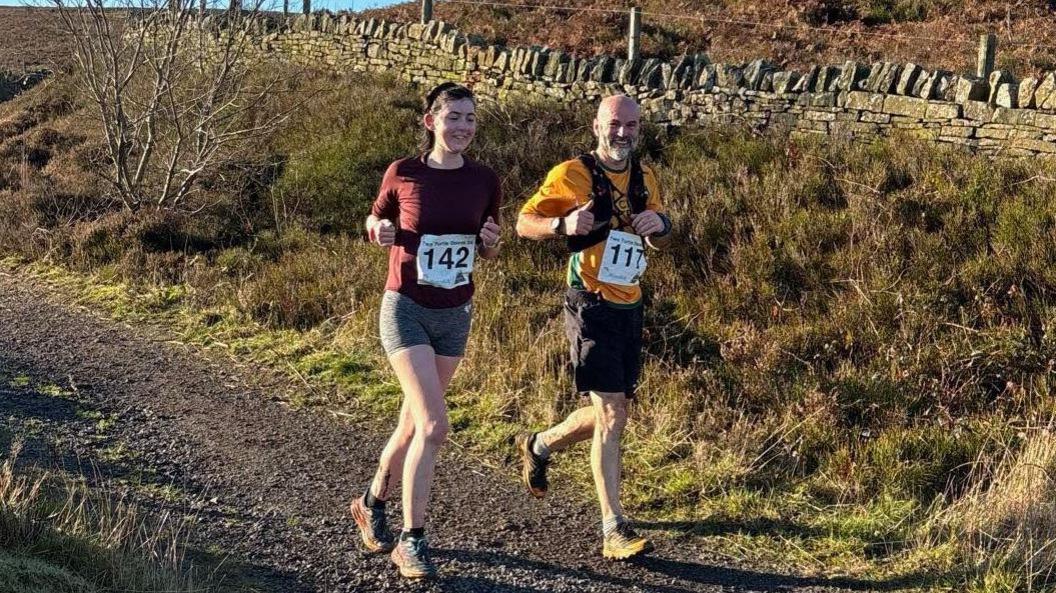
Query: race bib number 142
(623, 260)
(446, 261)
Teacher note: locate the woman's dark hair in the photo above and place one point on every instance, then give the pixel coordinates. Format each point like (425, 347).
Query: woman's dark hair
(435, 100)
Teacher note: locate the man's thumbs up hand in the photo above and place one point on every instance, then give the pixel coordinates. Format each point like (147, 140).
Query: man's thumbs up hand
(581, 220)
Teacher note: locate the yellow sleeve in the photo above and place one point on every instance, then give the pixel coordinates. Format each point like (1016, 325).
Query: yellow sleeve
(652, 185)
(566, 186)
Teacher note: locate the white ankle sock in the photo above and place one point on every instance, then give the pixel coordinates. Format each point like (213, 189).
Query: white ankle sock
(539, 447)
(610, 524)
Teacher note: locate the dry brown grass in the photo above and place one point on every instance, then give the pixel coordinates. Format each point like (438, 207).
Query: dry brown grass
(951, 26)
(1005, 524)
(57, 536)
(30, 38)
(934, 33)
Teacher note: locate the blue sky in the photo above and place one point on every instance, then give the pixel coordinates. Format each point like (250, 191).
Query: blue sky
(334, 5)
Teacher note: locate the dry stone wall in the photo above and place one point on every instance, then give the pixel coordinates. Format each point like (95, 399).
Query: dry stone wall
(999, 115)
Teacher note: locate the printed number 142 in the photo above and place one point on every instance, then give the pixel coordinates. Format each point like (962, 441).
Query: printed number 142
(446, 258)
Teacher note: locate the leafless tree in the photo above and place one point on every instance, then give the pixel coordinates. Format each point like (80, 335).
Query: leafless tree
(175, 93)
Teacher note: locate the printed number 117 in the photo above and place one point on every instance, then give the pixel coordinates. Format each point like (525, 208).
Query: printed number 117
(630, 253)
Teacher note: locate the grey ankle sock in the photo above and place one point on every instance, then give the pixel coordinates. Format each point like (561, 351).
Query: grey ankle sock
(609, 525)
(539, 447)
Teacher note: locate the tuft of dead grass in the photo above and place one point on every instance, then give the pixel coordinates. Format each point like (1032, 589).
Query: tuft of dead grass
(56, 536)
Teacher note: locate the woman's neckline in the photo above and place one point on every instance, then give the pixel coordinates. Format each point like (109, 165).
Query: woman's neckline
(424, 160)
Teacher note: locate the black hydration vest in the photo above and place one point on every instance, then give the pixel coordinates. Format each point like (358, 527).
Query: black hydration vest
(601, 192)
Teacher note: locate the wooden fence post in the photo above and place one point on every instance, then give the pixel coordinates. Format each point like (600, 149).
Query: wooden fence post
(634, 34)
(427, 11)
(307, 7)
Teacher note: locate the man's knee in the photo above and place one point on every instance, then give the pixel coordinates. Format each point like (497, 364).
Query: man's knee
(610, 410)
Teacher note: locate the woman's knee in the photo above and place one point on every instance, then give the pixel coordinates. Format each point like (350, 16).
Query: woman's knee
(434, 430)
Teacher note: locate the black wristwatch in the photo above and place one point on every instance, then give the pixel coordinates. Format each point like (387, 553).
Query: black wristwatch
(557, 225)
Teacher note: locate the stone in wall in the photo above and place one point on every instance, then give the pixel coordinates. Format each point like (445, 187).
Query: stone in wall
(882, 78)
(1045, 96)
(1025, 96)
(728, 76)
(553, 60)
(785, 81)
(906, 106)
(968, 88)
(706, 78)
(826, 79)
(864, 101)
(907, 78)
(997, 78)
(754, 73)
(1007, 95)
(807, 81)
(629, 71)
(852, 75)
(700, 64)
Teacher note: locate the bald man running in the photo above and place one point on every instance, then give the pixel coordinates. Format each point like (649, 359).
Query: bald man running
(607, 206)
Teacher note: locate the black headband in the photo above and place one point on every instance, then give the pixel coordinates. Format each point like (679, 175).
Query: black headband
(436, 92)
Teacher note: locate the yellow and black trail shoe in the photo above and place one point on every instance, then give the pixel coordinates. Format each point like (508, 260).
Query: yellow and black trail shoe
(533, 467)
(623, 542)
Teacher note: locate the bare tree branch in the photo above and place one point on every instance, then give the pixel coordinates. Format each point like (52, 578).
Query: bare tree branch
(173, 95)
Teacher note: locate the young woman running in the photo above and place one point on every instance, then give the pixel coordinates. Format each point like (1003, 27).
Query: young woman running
(435, 213)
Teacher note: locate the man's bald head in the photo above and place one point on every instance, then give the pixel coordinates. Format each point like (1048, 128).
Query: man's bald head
(616, 126)
(618, 105)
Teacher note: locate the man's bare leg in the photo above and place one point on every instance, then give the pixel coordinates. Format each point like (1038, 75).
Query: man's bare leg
(610, 418)
(620, 540)
(578, 426)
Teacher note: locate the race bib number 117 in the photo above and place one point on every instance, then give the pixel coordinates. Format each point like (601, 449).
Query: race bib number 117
(623, 260)
(446, 261)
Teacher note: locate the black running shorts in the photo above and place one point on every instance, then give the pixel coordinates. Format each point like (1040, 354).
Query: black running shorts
(605, 343)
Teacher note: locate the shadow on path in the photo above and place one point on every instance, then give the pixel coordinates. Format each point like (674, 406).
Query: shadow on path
(689, 574)
(37, 419)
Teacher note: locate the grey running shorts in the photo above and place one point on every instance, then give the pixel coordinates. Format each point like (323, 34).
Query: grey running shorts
(405, 323)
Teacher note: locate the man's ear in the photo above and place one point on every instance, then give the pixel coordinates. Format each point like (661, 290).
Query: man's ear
(428, 120)
(594, 127)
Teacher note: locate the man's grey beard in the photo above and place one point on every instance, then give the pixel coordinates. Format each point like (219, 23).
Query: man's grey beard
(618, 153)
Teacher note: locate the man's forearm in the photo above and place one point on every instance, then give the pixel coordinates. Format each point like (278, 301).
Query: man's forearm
(534, 226)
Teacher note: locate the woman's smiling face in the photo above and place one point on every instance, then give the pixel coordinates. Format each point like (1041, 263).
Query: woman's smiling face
(454, 125)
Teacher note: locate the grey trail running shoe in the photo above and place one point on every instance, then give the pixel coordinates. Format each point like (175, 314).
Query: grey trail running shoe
(373, 528)
(411, 556)
(623, 543)
(533, 467)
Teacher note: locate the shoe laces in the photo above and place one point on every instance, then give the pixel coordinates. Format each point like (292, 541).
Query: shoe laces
(624, 532)
(419, 549)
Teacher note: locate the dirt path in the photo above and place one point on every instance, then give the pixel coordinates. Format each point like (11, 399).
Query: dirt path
(270, 486)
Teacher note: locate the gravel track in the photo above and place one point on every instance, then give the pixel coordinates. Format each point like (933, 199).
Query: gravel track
(270, 485)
